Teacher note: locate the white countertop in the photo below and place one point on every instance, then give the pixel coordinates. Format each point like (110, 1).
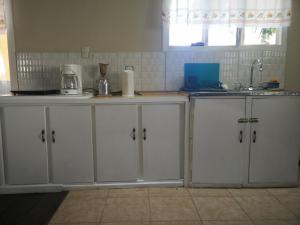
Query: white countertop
(87, 99)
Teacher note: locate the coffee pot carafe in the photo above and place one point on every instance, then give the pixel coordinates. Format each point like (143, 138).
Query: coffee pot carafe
(104, 88)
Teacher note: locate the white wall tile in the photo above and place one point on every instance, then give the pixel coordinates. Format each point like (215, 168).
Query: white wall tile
(154, 71)
(132, 59)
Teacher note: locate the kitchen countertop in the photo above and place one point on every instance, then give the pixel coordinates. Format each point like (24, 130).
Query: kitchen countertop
(88, 99)
(141, 97)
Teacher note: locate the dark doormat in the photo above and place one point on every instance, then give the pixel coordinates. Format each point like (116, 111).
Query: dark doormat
(29, 209)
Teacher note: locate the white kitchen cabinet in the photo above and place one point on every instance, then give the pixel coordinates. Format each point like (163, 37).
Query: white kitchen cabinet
(139, 142)
(275, 140)
(117, 143)
(161, 141)
(25, 142)
(71, 144)
(218, 141)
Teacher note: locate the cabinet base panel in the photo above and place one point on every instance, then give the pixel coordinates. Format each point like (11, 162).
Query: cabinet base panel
(273, 185)
(215, 185)
(262, 185)
(17, 189)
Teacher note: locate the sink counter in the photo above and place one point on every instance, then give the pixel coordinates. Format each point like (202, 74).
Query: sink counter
(246, 93)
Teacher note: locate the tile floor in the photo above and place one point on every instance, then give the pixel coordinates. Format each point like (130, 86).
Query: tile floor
(180, 206)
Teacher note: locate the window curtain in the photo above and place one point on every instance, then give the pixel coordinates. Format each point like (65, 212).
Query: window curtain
(2, 16)
(240, 13)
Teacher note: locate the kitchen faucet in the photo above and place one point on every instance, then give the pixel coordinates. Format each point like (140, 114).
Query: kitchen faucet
(260, 64)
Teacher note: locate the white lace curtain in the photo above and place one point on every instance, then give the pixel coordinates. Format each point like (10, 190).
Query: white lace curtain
(259, 13)
(2, 16)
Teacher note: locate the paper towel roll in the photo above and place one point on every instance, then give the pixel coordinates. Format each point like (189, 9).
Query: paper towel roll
(127, 83)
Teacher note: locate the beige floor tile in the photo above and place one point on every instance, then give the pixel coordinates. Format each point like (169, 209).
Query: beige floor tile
(172, 209)
(277, 222)
(126, 209)
(292, 202)
(285, 191)
(88, 194)
(128, 192)
(178, 223)
(209, 192)
(79, 211)
(227, 223)
(264, 208)
(219, 208)
(249, 192)
(168, 192)
(73, 223)
(127, 223)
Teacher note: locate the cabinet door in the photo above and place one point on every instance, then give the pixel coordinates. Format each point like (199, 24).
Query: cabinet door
(117, 152)
(26, 153)
(275, 140)
(71, 144)
(162, 141)
(217, 145)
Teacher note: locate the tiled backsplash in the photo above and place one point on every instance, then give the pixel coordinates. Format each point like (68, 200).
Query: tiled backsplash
(153, 70)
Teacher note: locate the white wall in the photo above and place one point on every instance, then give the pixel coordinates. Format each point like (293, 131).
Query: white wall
(104, 25)
(293, 50)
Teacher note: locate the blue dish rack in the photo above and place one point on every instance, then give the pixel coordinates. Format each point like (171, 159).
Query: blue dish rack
(201, 76)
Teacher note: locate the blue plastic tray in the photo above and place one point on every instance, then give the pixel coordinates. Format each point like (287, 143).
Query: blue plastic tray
(201, 75)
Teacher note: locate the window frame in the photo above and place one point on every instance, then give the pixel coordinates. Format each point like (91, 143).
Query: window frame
(11, 44)
(239, 42)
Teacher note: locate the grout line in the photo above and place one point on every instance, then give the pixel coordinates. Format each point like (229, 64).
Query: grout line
(234, 198)
(278, 200)
(149, 205)
(194, 203)
(105, 204)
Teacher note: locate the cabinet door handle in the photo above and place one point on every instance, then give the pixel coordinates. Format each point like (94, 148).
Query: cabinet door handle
(53, 136)
(43, 135)
(241, 136)
(133, 134)
(254, 136)
(253, 120)
(144, 134)
(243, 120)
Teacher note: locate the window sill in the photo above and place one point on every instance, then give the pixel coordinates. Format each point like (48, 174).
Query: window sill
(224, 48)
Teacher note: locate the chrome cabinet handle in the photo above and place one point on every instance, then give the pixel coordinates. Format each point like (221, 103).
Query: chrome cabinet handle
(241, 136)
(145, 135)
(43, 136)
(53, 136)
(253, 120)
(254, 136)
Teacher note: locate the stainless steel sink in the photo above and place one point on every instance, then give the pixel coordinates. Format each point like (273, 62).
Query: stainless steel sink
(257, 92)
(268, 93)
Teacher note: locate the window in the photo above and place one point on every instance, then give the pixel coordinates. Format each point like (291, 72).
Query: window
(7, 57)
(262, 36)
(185, 35)
(222, 36)
(218, 35)
(225, 23)
(4, 59)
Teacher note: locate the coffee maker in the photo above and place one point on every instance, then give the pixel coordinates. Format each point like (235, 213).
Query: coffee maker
(71, 79)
